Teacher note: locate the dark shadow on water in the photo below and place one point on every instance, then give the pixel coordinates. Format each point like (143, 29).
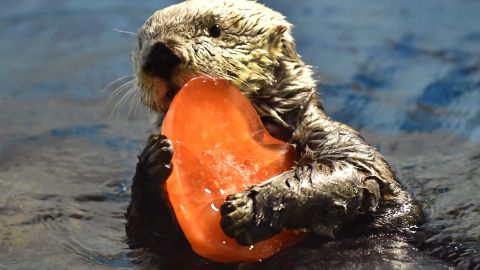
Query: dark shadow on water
(368, 252)
(405, 73)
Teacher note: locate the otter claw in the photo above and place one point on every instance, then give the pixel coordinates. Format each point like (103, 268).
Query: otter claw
(156, 157)
(238, 217)
(240, 221)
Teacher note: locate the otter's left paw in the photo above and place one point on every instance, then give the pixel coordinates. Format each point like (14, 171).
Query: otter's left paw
(241, 221)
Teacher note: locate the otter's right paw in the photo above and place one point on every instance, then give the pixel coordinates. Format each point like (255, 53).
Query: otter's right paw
(155, 159)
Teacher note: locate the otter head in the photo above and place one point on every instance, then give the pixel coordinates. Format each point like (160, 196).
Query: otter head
(237, 40)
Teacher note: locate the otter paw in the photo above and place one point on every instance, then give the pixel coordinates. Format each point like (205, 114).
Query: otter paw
(155, 159)
(240, 221)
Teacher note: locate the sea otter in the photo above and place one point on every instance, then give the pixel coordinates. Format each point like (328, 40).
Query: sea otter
(340, 185)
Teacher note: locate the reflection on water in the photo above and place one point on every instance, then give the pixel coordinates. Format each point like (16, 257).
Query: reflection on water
(406, 73)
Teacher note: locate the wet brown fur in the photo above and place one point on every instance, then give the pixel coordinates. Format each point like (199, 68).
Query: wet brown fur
(340, 184)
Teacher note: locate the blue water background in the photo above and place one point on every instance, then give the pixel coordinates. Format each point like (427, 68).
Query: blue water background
(405, 73)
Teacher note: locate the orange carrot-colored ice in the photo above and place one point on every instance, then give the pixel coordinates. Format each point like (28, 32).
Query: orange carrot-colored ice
(220, 147)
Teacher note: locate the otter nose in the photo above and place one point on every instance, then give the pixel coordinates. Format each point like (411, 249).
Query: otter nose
(160, 61)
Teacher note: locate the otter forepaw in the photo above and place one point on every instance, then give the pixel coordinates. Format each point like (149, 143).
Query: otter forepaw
(155, 159)
(241, 221)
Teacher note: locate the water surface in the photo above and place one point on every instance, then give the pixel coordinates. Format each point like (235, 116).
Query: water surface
(405, 73)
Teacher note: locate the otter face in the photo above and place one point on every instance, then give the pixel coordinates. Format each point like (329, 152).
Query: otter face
(237, 40)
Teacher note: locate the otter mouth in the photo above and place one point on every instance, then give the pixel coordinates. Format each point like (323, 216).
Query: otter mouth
(160, 92)
(163, 72)
(163, 93)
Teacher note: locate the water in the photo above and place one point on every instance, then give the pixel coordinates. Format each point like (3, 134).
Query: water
(406, 73)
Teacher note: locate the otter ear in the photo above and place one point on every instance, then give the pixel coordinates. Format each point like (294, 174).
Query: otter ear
(275, 37)
(288, 48)
(282, 43)
(281, 29)
(276, 33)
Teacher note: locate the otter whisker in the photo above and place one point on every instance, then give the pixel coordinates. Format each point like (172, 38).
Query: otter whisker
(115, 81)
(124, 88)
(125, 32)
(136, 103)
(139, 108)
(119, 90)
(133, 93)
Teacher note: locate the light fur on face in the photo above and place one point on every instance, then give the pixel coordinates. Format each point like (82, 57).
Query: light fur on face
(254, 41)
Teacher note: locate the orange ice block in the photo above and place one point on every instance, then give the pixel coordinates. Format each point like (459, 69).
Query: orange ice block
(220, 147)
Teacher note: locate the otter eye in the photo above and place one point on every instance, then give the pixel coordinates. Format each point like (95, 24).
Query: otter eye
(215, 31)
